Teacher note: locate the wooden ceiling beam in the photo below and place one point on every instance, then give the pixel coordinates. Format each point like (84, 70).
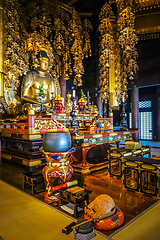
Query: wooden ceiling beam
(85, 14)
(71, 2)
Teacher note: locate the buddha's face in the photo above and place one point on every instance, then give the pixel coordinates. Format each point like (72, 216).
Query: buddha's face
(43, 64)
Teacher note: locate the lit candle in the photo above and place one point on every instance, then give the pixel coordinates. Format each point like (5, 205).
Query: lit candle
(122, 99)
(87, 93)
(74, 93)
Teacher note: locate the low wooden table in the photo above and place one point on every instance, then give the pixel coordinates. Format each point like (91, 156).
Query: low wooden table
(33, 179)
(75, 195)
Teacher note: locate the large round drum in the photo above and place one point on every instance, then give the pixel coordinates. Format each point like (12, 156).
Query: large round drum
(111, 222)
(56, 141)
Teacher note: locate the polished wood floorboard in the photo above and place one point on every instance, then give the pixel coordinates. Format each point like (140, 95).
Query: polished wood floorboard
(132, 204)
(144, 227)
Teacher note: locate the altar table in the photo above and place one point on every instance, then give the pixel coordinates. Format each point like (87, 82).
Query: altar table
(87, 141)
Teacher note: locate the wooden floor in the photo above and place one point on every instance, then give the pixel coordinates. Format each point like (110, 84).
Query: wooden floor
(132, 204)
(23, 217)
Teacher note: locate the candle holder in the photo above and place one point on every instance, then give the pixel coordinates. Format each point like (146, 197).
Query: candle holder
(88, 105)
(123, 123)
(74, 123)
(42, 108)
(52, 109)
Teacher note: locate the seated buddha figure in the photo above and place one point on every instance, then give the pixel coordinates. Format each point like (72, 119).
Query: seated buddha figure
(36, 80)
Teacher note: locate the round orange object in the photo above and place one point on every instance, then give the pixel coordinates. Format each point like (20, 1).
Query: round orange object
(111, 222)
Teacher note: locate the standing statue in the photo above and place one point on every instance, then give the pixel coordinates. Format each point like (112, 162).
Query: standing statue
(35, 81)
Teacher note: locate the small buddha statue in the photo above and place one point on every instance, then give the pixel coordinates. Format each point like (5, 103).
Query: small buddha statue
(68, 107)
(94, 109)
(36, 80)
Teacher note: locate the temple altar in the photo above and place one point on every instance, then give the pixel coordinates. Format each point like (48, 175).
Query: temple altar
(88, 141)
(22, 139)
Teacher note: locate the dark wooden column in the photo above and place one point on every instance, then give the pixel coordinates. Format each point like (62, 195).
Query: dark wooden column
(0, 152)
(135, 110)
(1, 45)
(63, 84)
(158, 113)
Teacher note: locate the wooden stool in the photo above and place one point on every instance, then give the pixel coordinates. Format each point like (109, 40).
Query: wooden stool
(142, 175)
(116, 155)
(33, 179)
(115, 160)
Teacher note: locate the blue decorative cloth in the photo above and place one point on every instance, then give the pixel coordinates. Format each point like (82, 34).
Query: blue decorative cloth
(58, 157)
(81, 236)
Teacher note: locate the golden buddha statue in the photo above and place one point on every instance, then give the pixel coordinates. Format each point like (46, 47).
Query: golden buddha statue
(34, 80)
(68, 107)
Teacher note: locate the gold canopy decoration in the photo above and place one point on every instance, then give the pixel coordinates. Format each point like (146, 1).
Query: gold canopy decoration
(137, 4)
(76, 49)
(15, 56)
(117, 61)
(107, 49)
(127, 40)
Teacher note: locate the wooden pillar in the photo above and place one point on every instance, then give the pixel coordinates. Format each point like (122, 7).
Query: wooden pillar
(158, 113)
(63, 84)
(0, 152)
(135, 110)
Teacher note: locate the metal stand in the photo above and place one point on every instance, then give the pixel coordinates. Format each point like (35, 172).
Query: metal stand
(123, 123)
